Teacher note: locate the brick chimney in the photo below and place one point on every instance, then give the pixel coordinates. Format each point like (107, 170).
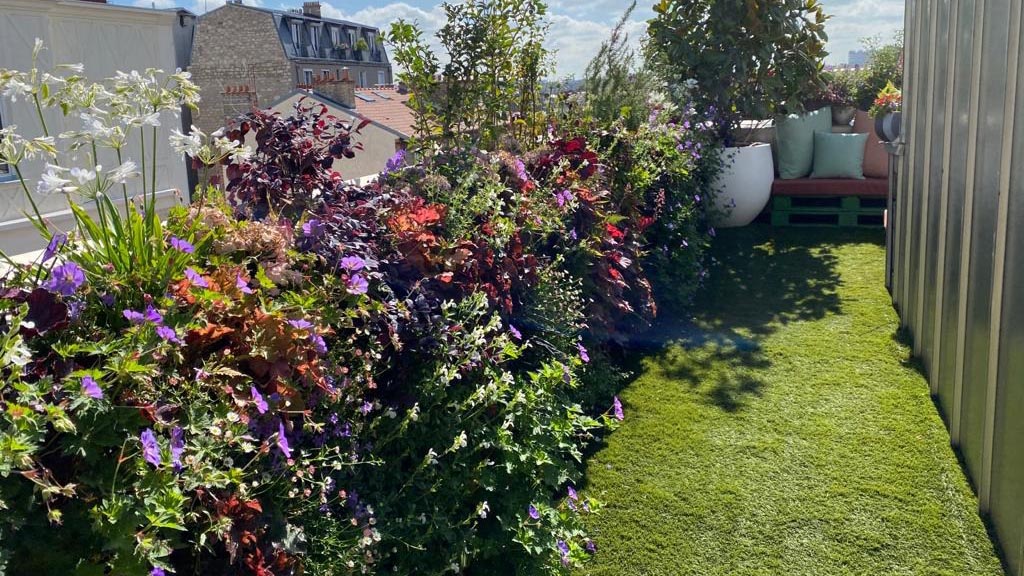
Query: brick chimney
(311, 9)
(341, 90)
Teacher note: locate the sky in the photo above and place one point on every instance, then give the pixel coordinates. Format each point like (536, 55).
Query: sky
(579, 26)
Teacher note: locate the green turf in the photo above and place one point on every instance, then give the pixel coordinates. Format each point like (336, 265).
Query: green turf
(783, 430)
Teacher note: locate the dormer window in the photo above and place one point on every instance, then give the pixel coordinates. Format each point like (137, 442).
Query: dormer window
(335, 35)
(296, 34)
(352, 39)
(314, 38)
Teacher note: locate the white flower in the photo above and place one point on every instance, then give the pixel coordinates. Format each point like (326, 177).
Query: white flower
(94, 126)
(483, 509)
(76, 68)
(51, 181)
(188, 144)
(84, 175)
(16, 88)
(123, 172)
(241, 154)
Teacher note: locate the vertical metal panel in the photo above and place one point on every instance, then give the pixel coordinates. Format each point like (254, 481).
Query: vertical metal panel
(1008, 452)
(911, 60)
(997, 469)
(957, 127)
(982, 237)
(932, 182)
(918, 137)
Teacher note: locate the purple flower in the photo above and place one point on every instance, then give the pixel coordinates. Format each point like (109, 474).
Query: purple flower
(352, 263)
(181, 245)
(591, 547)
(282, 440)
(515, 332)
(300, 324)
(318, 343)
(90, 388)
(157, 571)
(134, 317)
(201, 374)
(685, 243)
(573, 235)
(563, 197)
(532, 511)
(177, 447)
(563, 549)
(261, 404)
(617, 408)
(583, 353)
(696, 197)
(56, 243)
(150, 449)
(108, 300)
(572, 494)
(357, 284)
(521, 170)
(312, 228)
(65, 279)
(167, 333)
(367, 407)
(153, 315)
(196, 278)
(395, 162)
(242, 285)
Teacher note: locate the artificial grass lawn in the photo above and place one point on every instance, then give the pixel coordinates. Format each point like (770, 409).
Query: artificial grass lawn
(783, 430)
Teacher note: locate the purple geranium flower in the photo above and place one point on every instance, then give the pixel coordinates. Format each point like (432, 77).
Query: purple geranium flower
(90, 388)
(515, 332)
(153, 315)
(242, 285)
(56, 243)
(573, 235)
(532, 511)
(617, 408)
(312, 228)
(591, 547)
(521, 170)
(563, 549)
(157, 571)
(150, 449)
(282, 440)
(65, 279)
(352, 263)
(318, 343)
(134, 317)
(261, 404)
(177, 447)
(563, 197)
(167, 333)
(357, 284)
(395, 162)
(181, 245)
(196, 278)
(572, 494)
(583, 353)
(300, 324)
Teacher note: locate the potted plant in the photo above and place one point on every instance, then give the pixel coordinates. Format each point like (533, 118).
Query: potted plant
(744, 59)
(841, 89)
(361, 45)
(886, 112)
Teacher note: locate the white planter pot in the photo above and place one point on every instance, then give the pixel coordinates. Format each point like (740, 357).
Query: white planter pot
(743, 188)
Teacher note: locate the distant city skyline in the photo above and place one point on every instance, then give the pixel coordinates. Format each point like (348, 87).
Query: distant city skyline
(579, 26)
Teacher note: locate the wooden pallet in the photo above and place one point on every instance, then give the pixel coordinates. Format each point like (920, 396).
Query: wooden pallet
(827, 211)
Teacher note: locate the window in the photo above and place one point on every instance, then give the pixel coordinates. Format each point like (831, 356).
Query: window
(5, 169)
(352, 39)
(314, 39)
(296, 34)
(382, 77)
(307, 77)
(335, 36)
(325, 74)
(371, 39)
(362, 78)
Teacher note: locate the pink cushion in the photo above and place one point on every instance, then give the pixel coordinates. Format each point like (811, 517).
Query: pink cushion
(867, 188)
(876, 159)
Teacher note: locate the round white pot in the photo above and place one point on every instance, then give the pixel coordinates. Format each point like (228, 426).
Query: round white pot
(743, 188)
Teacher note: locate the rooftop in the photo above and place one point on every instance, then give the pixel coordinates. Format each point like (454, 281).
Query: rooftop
(387, 106)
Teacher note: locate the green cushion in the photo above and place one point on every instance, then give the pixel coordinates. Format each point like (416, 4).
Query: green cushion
(794, 137)
(839, 155)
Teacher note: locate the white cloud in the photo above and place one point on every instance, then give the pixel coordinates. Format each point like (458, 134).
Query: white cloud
(854, 20)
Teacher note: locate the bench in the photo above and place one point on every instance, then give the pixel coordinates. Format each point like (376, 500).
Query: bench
(828, 202)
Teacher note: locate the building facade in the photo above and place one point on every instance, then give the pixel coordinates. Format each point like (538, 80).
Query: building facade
(245, 56)
(105, 38)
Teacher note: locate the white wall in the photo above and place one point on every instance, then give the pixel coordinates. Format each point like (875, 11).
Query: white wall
(106, 39)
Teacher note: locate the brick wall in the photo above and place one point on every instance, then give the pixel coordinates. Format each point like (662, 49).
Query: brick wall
(237, 46)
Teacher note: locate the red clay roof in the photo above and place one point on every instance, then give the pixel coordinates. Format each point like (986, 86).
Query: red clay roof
(391, 111)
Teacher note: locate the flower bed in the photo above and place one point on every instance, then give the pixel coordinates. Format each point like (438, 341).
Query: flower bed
(295, 375)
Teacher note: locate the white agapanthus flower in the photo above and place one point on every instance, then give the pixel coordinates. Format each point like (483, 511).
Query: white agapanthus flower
(51, 181)
(84, 175)
(123, 173)
(187, 144)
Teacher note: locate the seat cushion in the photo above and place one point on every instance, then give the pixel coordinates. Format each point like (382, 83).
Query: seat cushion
(794, 137)
(839, 155)
(867, 188)
(876, 159)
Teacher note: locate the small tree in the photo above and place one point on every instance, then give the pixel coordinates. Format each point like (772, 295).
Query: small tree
(752, 58)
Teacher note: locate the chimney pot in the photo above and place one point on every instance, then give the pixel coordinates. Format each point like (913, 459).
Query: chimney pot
(311, 9)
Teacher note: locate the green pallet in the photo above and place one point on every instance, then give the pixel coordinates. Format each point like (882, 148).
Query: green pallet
(827, 211)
